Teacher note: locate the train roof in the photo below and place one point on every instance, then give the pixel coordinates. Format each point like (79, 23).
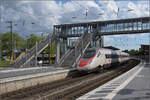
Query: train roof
(107, 49)
(93, 48)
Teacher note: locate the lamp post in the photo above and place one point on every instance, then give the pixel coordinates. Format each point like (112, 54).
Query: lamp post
(10, 22)
(0, 48)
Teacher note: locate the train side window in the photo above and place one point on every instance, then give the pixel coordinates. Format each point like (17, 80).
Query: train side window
(108, 56)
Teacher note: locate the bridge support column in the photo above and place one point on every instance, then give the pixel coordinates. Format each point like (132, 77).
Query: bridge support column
(57, 50)
(101, 41)
(65, 45)
(92, 41)
(97, 43)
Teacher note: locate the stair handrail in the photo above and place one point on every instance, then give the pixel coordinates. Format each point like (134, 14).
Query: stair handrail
(66, 55)
(31, 52)
(82, 52)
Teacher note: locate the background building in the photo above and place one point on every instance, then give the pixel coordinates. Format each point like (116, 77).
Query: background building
(144, 49)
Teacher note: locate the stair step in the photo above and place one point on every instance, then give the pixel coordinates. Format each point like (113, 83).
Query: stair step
(70, 59)
(31, 53)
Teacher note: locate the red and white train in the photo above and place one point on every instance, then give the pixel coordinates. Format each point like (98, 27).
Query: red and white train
(94, 58)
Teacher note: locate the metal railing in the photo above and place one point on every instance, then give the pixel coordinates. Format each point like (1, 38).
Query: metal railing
(35, 50)
(71, 57)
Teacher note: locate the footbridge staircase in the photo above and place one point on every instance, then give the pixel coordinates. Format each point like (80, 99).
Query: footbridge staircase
(29, 58)
(71, 57)
(95, 30)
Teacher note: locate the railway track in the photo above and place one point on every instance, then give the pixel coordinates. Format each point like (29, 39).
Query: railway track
(70, 88)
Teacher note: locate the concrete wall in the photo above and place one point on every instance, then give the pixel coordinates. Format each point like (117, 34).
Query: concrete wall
(16, 83)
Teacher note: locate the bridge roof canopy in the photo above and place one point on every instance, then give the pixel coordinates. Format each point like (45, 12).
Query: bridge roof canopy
(143, 19)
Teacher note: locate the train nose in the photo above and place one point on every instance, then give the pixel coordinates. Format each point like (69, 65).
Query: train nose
(82, 63)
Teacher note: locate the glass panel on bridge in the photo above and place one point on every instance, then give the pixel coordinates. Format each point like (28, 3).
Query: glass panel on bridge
(105, 27)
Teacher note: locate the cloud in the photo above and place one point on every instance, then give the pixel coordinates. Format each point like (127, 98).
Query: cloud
(108, 40)
(43, 13)
(78, 9)
(110, 8)
(137, 10)
(47, 13)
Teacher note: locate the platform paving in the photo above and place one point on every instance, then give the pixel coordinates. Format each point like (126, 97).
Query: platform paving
(12, 72)
(138, 88)
(132, 85)
(15, 79)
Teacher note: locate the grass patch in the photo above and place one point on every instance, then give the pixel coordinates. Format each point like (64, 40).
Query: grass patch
(4, 63)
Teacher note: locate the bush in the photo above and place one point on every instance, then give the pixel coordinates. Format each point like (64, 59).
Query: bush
(4, 63)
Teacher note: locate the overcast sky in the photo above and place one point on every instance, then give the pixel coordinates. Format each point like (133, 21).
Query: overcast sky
(46, 13)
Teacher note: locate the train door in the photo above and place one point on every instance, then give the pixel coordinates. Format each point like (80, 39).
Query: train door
(102, 58)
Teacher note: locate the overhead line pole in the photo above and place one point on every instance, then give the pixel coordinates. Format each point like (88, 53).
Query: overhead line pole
(12, 42)
(0, 48)
(0, 29)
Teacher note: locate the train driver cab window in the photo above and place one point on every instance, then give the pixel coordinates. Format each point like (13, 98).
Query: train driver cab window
(89, 53)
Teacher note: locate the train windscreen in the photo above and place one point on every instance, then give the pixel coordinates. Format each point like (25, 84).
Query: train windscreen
(89, 53)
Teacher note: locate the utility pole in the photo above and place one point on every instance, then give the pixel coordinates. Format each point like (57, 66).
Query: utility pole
(0, 28)
(12, 42)
(0, 48)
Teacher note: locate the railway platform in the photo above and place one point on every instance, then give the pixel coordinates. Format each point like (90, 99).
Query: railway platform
(12, 79)
(14, 72)
(132, 85)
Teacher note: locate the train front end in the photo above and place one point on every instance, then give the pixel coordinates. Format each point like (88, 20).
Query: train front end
(86, 61)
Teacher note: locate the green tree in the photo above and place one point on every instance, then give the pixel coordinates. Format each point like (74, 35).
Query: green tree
(52, 48)
(126, 51)
(6, 44)
(18, 43)
(31, 41)
(0, 47)
(73, 43)
(133, 52)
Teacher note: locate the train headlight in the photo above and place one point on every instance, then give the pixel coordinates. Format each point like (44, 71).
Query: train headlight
(90, 62)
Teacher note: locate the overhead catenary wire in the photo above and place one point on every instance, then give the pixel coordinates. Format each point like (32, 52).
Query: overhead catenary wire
(86, 9)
